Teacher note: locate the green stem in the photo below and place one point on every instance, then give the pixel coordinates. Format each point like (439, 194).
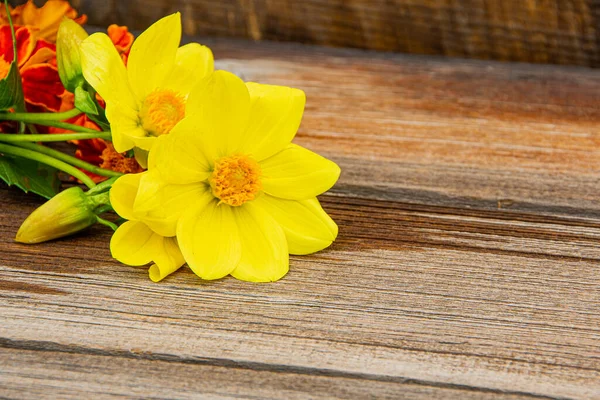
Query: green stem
(53, 162)
(107, 223)
(40, 117)
(102, 187)
(56, 124)
(68, 159)
(54, 137)
(20, 101)
(103, 209)
(12, 31)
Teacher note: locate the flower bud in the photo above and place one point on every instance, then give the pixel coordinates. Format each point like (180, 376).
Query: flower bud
(66, 213)
(70, 35)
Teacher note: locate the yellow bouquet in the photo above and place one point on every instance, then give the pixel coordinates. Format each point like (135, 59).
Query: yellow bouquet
(199, 165)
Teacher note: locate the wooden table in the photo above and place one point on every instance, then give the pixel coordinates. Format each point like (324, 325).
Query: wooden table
(467, 265)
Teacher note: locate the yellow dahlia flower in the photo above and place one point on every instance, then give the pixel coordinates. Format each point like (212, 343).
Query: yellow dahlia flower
(227, 181)
(147, 98)
(134, 243)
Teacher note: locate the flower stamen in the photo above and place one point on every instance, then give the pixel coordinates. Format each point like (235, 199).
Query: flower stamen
(235, 180)
(115, 161)
(161, 111)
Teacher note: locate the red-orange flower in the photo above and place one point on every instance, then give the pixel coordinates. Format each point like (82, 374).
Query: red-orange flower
(36, 30)
(37, 64)
(122, 39)
(45, 20)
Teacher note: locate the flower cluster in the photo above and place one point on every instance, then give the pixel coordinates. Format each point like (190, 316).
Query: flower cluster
(36, 34)
(219, 185)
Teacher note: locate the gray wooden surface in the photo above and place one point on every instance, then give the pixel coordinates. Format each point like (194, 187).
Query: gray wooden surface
(467, 265)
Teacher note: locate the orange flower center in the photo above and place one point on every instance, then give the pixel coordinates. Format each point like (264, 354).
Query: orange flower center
(235, 179)
(161, 111)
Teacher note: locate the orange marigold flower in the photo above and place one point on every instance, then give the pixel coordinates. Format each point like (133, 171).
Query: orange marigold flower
(44, 21)
(36, 59)
(122, 39)
(35, 31)
(102, 153)
(115, 161)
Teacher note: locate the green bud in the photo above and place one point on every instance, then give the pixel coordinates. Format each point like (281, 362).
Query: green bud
(68, 212)
(69, 37)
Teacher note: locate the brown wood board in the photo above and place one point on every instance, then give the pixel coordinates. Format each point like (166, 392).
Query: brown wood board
(467, 264)
(558, 31)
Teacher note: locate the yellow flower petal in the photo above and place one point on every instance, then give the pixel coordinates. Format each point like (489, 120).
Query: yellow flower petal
(220, 104)
(275, 116)
(124, 126)
(179, 156)
(307, 226)
(133, 243)
(264, 247)
(168, 259)
(103, 68)
(144, 142)
(298, 174)
(192, 63)
(160, 204)
(122, 194)
(152, 55)
(209, 240)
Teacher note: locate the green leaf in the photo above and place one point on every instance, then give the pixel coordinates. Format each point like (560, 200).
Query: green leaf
(84, 101)
(29, 176)
(11, 91)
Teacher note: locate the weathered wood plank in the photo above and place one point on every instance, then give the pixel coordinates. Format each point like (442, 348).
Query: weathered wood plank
(466, 267)
(549, 31)
(372, 305)
(72, 374)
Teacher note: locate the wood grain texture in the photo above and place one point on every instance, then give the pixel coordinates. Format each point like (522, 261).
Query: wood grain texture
(467, 264)
(83, 375)
(547, 31)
